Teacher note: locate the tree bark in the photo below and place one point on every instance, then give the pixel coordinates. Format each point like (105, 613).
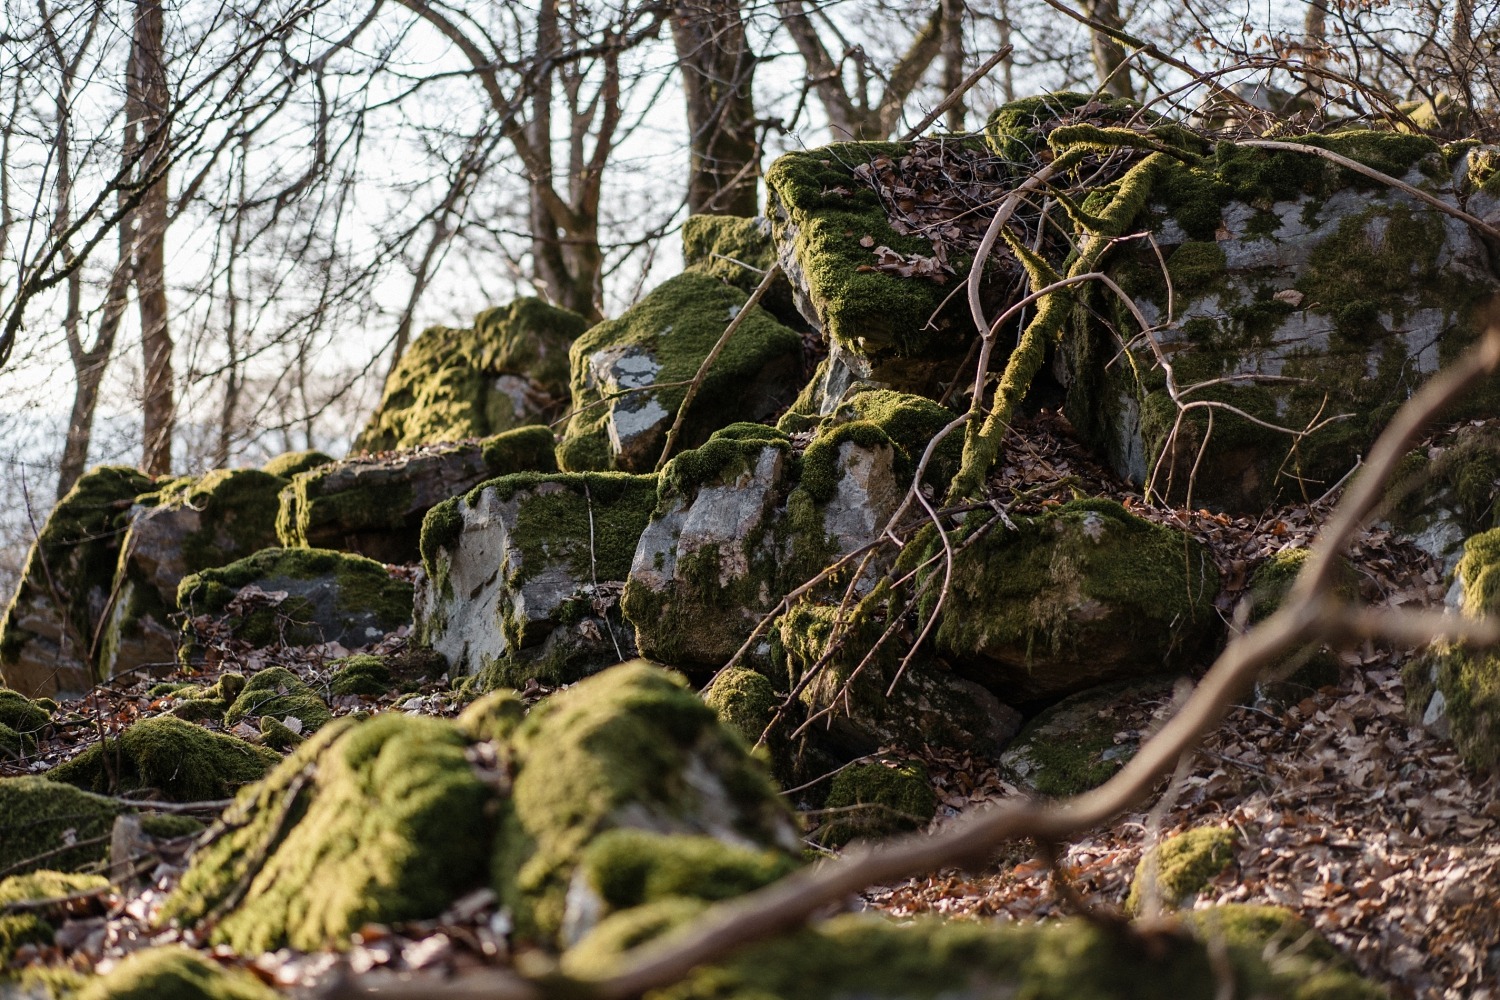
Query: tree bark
(146, 114)
(1109, 55)
(953, 60)
(717, 69)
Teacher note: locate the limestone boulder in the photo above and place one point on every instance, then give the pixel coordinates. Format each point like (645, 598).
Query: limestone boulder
(508, 370)
(523, 575)
(293, 597)
(745, 519)
(1084, 595)
(617, 792)
(374, 505)
(47, 639)
(190, 524)
(630, 375)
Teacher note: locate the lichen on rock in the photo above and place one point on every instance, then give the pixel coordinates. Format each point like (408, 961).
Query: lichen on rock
(523, 574)
(507, 370)
(176, 759)
(630, 375)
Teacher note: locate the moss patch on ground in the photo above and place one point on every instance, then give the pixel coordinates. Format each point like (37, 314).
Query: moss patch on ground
(876, 799)
(444, 386)
(378, 821)
(183, 762)
(1178, 868)
(174, 973)
(46, 824)
(279, 693)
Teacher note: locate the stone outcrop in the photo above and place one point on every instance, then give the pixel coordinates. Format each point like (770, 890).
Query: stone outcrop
(374, 506)
(47, 640)
(630, 375)
(523, 575)
(294, 597)
(507, 370)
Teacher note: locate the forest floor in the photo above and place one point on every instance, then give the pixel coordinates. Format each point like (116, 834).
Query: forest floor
(1367, 826)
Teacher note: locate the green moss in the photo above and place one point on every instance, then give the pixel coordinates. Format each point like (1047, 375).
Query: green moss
(277, 735)
(290, 464)
(238, 512)
(525, 449)
(1298, 954)
(629, 868)
(45, 824)
(24, 719)
(277, 692)
(379, 821)
(1469, 680)
(17, 929)
(617, 750)
(72, 561)
(362, 590)
(174, 973)
(181, 761)
(673, 328)
(827, 213)
(493, 717)
(1015, 594)
(1196, 268)
(877, 799)
(927, 958)
(442, 389)
(441, 529)
(197, 704)
(728, 454)
(1179, 867)
(365, 674)
(744, 701)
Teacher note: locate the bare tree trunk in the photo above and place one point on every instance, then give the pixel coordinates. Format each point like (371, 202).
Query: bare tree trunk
(88, 371)
(146, 112)
(1109, 55)
(953, 60)
(717, 68)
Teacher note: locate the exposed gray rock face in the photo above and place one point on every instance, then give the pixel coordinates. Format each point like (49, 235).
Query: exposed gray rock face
(187, 526)
(630, 374)
(1316, 305)
(375, 506)
(523, 574)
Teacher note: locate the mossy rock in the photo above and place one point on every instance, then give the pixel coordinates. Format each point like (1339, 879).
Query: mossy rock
(197, 703)
(1085, 594)
(513, 569)
(1455, 691)
(181, 761)
(1178, 868)
(1440, 495)
(629, 868)
(21, 722)
(33, 927)
(293, 462)
(508, 370)
(46, 638)
(380, 821)
(630, 375)
(876, 799)
(723, 245)
(46, 824)
(279, 693)
(632, 747)
(174, 973)
(1073, 746)
(904, 332)
(189, 524)
(1301, 290)
(361, 675)
(375, 506)
(1302, 673)
(927, 958)
(330, 597)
